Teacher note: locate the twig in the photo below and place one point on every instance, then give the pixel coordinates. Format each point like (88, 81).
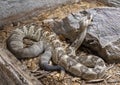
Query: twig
(108, 77)
(115, 81)
(95, 81)
(35, 70)
(105, 82)
(41, 76)
(62, 74)
(117, 73)
(110, 67)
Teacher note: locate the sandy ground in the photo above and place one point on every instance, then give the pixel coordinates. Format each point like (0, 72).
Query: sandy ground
(53, 78)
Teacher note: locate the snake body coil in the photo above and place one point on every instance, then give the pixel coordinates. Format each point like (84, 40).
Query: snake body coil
(49, 46)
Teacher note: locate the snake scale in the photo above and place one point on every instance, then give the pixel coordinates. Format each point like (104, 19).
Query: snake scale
(48, 46)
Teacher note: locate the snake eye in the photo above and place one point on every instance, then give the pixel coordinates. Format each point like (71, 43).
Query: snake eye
(91, 20)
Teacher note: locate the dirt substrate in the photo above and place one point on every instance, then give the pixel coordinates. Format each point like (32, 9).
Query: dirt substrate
(53, 78)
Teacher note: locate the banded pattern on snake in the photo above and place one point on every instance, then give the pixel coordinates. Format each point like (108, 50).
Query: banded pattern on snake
(48, 46)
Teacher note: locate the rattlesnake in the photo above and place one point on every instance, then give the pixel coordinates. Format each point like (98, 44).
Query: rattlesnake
(49, 46)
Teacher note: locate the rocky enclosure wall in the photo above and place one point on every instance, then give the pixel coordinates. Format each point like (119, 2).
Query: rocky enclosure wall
(15, 10)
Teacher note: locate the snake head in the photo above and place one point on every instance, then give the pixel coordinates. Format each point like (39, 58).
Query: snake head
(85, 22)
(90, 17)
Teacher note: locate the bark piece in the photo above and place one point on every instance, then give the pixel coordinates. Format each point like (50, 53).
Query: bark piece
(12, 72)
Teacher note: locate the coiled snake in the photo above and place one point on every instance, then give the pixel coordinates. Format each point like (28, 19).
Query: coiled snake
(48, 46)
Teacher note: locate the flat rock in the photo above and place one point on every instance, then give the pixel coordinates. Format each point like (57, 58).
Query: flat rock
(113, 3)
(103, 35)
(15, 10)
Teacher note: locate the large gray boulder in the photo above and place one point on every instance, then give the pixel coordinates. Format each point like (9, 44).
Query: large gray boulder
(16, 10)
(103, 35)
(113, 3)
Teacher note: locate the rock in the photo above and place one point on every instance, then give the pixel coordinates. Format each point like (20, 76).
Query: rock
(113, 3)
(103, 35)
(17, 10)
